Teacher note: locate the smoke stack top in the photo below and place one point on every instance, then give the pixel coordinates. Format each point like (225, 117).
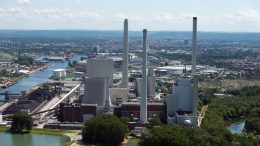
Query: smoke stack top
(194, 46)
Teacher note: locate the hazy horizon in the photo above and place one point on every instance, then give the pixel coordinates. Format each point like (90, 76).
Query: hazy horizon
(213, 16)
(121, 30)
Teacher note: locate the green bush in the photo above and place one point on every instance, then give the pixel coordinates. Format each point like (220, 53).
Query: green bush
(253, 125)
(105, 130)
(21, 122)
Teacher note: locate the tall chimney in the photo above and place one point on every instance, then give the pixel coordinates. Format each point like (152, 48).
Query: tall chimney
(125, 56)
(194, 46)
(143, 112)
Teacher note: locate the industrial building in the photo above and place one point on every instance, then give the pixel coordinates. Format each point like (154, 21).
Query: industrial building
(100, 68)
(101, 96)
(81, 66)
(150, 85)
(95, 91)
(182, 104)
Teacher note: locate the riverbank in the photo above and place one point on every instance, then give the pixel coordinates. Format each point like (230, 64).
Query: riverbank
(42, 131)
(45, 66)
(56, 132)
(9, 81)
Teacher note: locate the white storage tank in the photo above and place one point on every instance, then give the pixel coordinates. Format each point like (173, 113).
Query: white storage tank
(1, 118)
(59, 73)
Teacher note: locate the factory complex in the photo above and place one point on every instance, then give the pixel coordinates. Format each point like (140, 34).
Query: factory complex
(110, 87)
(137, 100)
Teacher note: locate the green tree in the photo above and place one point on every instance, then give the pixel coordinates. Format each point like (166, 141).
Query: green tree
(105, 130)
(125, 120)
(21, 122)
(154, 122)
(25, 60)
(253, 125)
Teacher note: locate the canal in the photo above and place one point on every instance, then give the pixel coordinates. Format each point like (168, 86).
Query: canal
(7, 139)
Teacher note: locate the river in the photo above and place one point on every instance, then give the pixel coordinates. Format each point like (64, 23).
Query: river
(7, 139)
(37, 77)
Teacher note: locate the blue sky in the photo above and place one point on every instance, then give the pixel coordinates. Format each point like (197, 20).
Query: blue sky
(213, 15)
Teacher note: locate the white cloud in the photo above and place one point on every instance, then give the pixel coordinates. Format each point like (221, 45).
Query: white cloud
(133, 17)
(164, 16)
(65, 18)
(248, 15)
(89, 15)
(22, 2)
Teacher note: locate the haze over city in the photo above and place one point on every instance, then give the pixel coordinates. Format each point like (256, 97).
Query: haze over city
(221, 15)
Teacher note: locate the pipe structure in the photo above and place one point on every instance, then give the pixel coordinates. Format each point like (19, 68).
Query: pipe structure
(143, 112)
(194, 46)
(125, 56)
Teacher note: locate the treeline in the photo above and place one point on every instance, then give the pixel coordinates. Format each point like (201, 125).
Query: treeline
(211, 133)
(169, 135)
(25, 60)
(231, 108)
(245, 91)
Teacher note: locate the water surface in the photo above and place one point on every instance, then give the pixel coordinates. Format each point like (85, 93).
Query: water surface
(236, 127)
(7, 139)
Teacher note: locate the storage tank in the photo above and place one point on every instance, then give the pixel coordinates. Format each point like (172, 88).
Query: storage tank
(59, 73)
(1, 118)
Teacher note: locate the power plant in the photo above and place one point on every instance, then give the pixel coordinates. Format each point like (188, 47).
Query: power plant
(182, 104)
(101, 96)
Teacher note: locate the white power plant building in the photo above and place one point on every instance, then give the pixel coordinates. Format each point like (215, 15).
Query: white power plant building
(1, 118)
(100, 68)
(59, 73)
(99, 80)
(150, 84)
(95, 91)
(182, 104)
